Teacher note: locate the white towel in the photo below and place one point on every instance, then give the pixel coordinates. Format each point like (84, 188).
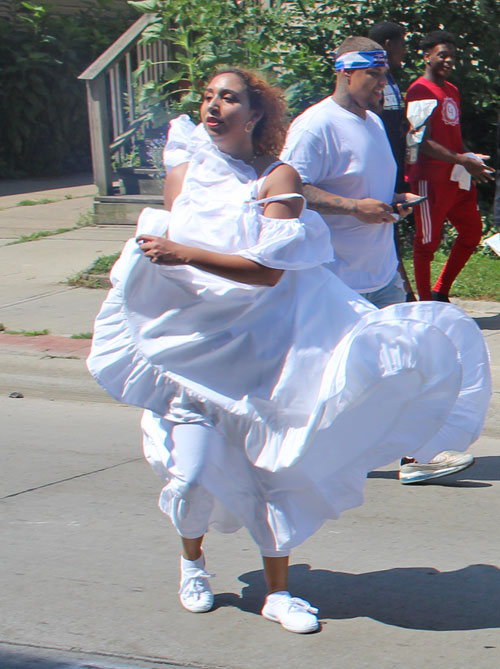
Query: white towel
(494, 243)
(460, 174)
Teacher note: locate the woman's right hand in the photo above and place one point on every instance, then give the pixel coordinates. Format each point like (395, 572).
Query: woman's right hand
(161, 250)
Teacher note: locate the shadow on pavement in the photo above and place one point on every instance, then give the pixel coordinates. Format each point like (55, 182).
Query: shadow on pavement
(488, 322)
(485, 468)
(44, 659)
(25, 186)
(420, 598)
(22, 660)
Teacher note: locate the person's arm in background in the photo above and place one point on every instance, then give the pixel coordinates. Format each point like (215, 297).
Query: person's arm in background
(366, 209)
(475, 166)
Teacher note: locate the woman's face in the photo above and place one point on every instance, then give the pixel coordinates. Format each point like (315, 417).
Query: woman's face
(226, 112)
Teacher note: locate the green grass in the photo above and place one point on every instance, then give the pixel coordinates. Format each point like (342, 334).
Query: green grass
(479, 279)
(45, 200)
(27, 333)
(103, 264)
(93, 277)
(31, 203)
(86, 220)
(39, 235)
(82, 335)
(37, 333)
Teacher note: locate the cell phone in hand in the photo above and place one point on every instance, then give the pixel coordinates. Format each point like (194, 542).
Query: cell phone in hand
(408, 205)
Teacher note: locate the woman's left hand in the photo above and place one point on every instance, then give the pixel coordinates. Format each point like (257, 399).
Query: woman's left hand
(161, 250)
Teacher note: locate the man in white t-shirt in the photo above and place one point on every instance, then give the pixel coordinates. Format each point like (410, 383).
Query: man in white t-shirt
(341, 151)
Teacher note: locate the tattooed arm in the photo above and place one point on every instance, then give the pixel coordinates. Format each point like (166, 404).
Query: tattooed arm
(367, 209)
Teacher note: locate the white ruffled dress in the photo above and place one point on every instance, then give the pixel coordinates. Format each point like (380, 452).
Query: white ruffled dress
(310, 385)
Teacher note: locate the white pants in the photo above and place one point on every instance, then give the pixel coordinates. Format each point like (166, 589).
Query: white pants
(184, 454)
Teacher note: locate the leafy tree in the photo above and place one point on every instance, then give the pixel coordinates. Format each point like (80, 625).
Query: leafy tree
(203, 36)
(44, 128)
(292, 41)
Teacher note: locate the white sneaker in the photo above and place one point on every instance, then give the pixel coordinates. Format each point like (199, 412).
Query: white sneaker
(444, 464)
(294, 614)
(195, 592)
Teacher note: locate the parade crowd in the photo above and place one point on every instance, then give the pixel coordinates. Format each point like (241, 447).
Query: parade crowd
(264, 320)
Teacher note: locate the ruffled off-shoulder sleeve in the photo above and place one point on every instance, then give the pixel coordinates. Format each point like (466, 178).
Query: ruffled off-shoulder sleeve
(291, 243)
(184, 140)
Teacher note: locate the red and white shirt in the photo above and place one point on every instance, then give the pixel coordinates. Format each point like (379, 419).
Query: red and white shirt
(445, 128)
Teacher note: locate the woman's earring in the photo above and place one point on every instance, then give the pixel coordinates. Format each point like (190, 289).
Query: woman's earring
(247, 128)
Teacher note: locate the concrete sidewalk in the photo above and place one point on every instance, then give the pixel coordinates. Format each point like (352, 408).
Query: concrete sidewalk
(89, 577)
(35, 294)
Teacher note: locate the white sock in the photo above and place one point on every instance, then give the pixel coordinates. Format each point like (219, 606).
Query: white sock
(274, 596)
(193, 564)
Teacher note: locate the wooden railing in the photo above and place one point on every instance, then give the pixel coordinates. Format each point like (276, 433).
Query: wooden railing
(114, 114)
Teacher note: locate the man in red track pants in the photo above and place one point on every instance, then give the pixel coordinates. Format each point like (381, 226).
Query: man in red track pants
(443, 172)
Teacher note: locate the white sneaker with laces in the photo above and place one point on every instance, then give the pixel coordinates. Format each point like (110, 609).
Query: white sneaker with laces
(294, 614)
(444, 464)
(195, 592)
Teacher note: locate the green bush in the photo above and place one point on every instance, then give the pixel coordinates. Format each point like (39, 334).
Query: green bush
(292, 41)
(43, 107)
(202, 36)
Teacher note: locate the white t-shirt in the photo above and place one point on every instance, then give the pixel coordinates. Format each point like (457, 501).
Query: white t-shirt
(341, 153)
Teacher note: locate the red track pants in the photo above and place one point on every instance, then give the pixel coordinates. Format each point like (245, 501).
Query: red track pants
(445, 201)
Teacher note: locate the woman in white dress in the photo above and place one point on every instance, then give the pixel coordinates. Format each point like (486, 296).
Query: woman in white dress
(270, 388)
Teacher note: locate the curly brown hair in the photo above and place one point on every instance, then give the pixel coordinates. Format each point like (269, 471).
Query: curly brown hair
(269, 133)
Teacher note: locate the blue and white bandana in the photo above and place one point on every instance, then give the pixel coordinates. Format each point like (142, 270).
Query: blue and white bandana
(357, 60)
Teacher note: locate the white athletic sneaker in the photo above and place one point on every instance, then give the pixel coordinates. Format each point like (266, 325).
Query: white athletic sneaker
(444, 464)
(195, 592)
(294, 614)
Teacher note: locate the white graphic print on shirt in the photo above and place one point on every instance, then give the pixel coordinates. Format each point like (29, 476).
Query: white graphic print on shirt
(449, 112)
